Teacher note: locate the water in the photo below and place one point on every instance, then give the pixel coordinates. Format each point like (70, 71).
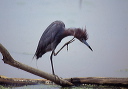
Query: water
(59, 87)
(39, 87)
(23, 22)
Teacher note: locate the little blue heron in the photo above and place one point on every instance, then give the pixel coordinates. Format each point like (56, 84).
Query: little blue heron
(53, 35)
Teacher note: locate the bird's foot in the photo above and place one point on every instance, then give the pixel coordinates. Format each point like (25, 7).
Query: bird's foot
(57, 78)
(69, 42)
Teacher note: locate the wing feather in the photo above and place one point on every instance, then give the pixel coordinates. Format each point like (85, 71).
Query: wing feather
(48, 38)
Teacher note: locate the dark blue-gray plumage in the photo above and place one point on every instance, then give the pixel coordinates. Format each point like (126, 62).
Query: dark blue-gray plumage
(50, 38)
(53, 35)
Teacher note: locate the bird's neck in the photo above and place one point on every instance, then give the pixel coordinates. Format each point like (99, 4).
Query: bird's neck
(69, 32)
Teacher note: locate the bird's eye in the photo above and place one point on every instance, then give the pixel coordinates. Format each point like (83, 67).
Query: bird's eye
(82, 39)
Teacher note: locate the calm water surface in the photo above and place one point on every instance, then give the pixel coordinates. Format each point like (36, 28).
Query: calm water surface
(59, 87)
(22, 23)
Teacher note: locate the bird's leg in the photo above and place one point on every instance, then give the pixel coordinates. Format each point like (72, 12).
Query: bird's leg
(53, 53)
(70, 42)
(64, 46)
(52, 65)
(52, 62)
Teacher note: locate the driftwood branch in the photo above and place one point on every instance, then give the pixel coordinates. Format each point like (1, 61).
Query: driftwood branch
(100, 81)
(9, 60)
(62, 82)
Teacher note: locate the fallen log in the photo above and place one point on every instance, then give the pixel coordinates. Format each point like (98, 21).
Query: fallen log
(99, 81)
(7, 58)
(118, 82)
(20, 81)
(62, 82)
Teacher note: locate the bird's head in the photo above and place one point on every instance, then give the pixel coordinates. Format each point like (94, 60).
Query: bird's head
(82, 36)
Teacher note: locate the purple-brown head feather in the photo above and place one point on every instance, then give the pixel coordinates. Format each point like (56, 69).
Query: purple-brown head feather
(80, 34)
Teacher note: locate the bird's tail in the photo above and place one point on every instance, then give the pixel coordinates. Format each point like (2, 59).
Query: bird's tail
(36, 60)
(32, 58)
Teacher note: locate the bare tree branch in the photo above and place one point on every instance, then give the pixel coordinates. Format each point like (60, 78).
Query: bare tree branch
(99, 81)
(7, 58)
(62, 82)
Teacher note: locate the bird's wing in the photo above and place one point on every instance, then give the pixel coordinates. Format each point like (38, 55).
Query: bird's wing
(48, 37)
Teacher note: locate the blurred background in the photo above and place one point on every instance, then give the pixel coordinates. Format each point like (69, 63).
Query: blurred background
(22, 23)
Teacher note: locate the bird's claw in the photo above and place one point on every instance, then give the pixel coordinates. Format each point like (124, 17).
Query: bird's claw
(67, 47)
(70, 42)
(57, 77)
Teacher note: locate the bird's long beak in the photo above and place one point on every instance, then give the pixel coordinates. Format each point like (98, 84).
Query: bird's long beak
(84, 41)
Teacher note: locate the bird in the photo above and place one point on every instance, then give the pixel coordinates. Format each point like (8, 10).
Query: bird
(53, 35)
